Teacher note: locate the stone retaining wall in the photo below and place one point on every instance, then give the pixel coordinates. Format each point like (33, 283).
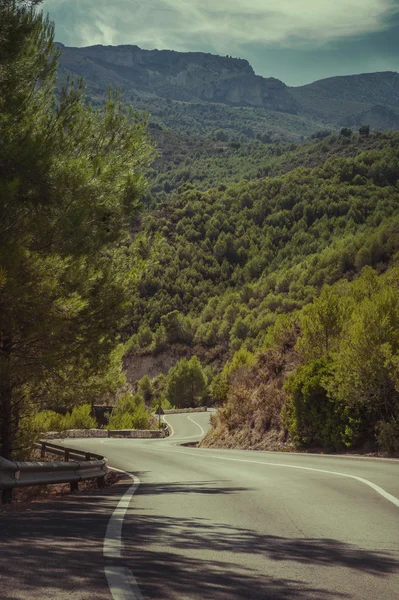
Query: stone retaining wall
(105, 433)
(176, 411)
(138, 433)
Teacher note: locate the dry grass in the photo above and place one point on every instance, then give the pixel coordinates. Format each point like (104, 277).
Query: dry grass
(251, 416)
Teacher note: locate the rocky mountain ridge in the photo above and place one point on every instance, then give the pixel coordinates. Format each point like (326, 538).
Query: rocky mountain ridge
(195, 77)
(190, 76)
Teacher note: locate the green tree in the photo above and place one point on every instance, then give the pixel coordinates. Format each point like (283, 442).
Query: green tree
(129, 413)
(145, 388)
(346, 132)
(174, 326)
(311, 417)
(366, 365)
(321, 324)
(364, 130)
(70, 182)
(80, 418)
(187, 385)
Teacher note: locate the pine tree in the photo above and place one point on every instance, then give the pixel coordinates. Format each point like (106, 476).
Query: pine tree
(70, 182)
(187, 385)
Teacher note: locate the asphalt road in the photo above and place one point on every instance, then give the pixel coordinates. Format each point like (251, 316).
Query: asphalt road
(212, 524)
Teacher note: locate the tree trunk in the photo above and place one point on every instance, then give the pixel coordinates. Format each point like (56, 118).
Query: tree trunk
(6, 429)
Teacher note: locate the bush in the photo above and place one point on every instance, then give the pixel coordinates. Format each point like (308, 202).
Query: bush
(144, 337)
(80, 418)
(48, 420)
(387, 435)
(129, 413)
(309, 415)
(145, 388)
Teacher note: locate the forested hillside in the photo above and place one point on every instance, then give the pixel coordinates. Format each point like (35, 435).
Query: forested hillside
(185, 161)
(239, 265)
(198, 93)
(231, 270)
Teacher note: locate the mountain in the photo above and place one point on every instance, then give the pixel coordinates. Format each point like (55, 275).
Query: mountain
(194, 92)
(352, 100)
(275, 264)
(189, 76)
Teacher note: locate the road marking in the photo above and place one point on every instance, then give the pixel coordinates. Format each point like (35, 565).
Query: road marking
(169, 425)
(121, 581)
(376, 488)
(198, 425)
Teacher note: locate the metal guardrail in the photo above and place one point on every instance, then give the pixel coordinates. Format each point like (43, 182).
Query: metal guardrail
(24, 474)
(45, 446)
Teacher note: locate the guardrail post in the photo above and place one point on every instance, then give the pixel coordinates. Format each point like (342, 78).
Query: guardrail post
(43, 450)
(66, 455)
(6, 496)
(74, 486)
(87, 456)
(101, 482)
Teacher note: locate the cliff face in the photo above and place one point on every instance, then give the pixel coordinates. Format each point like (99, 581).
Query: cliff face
(196, 77)
(190, 76)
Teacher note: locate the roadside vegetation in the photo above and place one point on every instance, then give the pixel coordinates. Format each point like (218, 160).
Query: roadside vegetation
(70, 182)
(266, 272)
(227, 266)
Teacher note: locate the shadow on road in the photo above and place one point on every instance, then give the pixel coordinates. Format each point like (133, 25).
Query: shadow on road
(191, 487)
(54, 550)
(192, 556)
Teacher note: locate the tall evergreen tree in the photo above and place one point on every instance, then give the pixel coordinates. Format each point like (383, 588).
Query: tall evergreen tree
(70, 182)
(187, 384)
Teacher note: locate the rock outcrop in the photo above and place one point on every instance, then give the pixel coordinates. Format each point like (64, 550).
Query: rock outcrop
(185, 76)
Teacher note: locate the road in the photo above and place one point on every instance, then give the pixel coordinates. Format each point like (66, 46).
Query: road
(215, 525)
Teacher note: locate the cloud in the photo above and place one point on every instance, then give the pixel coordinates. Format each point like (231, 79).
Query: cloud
(219, 25)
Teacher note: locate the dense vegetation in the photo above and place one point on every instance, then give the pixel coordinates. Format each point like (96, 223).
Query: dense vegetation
(266, 271)
(327, 376)
(258, 248)
(192, 161)
(70, 182)
(223, 266)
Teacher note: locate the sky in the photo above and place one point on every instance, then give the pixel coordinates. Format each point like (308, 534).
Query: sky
(297, 41)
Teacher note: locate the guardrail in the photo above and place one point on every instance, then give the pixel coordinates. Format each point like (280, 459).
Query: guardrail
(24, 474)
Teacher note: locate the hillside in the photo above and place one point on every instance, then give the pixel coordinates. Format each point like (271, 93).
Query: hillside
(263, 259)
(188, 77)
(371, 98)
(191, 161)
(222, 268)
(197, 93)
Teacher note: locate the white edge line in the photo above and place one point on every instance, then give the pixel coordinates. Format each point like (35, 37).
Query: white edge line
(376, 488)
(121, 581)
(198, 425)
(169, 425)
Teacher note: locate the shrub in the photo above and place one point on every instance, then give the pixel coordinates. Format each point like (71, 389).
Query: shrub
(48, 420)
(387, 435)
(145, 388)
(144, 337)
(309, 415)
(129, 413)
(80, 418)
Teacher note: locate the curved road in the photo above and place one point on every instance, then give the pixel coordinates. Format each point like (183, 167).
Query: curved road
(223, 524)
